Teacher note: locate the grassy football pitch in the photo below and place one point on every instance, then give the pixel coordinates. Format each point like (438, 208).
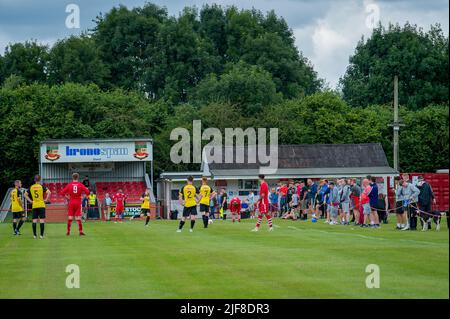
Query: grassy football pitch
(298, 260)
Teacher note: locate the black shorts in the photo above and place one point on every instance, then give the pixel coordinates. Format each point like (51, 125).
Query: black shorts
(188, 211)
(38, 213)
(145, 211)
(399, 208)
(204, 208)
(225, 206)
(18, 215)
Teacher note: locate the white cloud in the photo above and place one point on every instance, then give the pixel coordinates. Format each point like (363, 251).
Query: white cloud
(329, 41)
(326, 31)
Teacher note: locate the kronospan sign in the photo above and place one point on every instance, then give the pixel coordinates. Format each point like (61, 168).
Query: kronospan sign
(96, 152)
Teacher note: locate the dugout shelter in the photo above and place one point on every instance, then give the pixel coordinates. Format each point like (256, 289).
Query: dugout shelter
(110, 164)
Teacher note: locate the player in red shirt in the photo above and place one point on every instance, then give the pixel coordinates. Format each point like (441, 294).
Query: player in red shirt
(73, 192)
(263, 204)
(119, 198)
(235, 208)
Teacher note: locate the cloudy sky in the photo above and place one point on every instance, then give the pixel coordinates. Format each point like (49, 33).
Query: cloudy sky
(325, 31)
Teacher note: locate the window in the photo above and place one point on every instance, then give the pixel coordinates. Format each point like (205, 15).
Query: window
(174, 194)
(245, 193)
(248, 184)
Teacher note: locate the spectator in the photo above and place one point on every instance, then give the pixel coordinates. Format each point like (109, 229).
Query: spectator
(294, 204)
(326, 202)
(405, 177)
(354, 197)
(93, 206)
(84, 207)
(298, 187)
(283, 199)
(251, 204)
(107, 207)
(320, 205)
(86, 182)
(426, 199)
(311, 196)
(344, 199)
(365, 202)
(334, 203)
(273, 202)
(373, 197)
(410, 195)
(223, 204)
(212, 206)
(303, 200)
(383, 208)
(339, 188)
(399, 209)
(293, 211)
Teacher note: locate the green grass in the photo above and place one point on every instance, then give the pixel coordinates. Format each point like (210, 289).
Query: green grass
(297, 260)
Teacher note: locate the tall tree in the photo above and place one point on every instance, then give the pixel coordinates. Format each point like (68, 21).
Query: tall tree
(28, 60)
(76, 59)
(125, 38)
(420, 59)
(248, 87)
(182, 58)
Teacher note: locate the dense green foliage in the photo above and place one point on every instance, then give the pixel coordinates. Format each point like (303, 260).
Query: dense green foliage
(143, 72)
(31, 113)
(418, 58)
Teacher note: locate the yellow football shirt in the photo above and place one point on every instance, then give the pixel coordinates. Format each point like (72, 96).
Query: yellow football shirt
(36, 194)
(16, 201)
(188, 192)
(146, 202)
(205, 191)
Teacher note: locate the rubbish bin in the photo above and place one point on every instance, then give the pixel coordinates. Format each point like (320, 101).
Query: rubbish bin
(174, 214)
(245, 214)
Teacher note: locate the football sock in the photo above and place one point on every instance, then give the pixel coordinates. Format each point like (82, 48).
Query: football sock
(192, 224)
(147, 220)
(14, 226)
(258, 223)
(205, 221)
(80, 225)
(34, 229)
(269, 220)
(42, 226)
(69, 223)
(20, 225)
(181, 224)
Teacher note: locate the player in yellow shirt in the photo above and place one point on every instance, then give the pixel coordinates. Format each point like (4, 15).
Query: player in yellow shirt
(145, 206)
(38, 195)
(205, 197)
(188, 198)
(17, 207)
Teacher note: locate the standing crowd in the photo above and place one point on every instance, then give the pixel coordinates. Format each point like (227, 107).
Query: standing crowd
(342, 201)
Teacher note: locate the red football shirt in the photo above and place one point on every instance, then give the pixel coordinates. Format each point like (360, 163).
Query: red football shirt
(119, 198)
(235, 208)
(74, 190)
(264, 197)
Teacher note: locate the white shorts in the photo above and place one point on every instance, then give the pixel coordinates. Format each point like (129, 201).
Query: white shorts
(366, 209)
(346, 208)
(333, 211)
